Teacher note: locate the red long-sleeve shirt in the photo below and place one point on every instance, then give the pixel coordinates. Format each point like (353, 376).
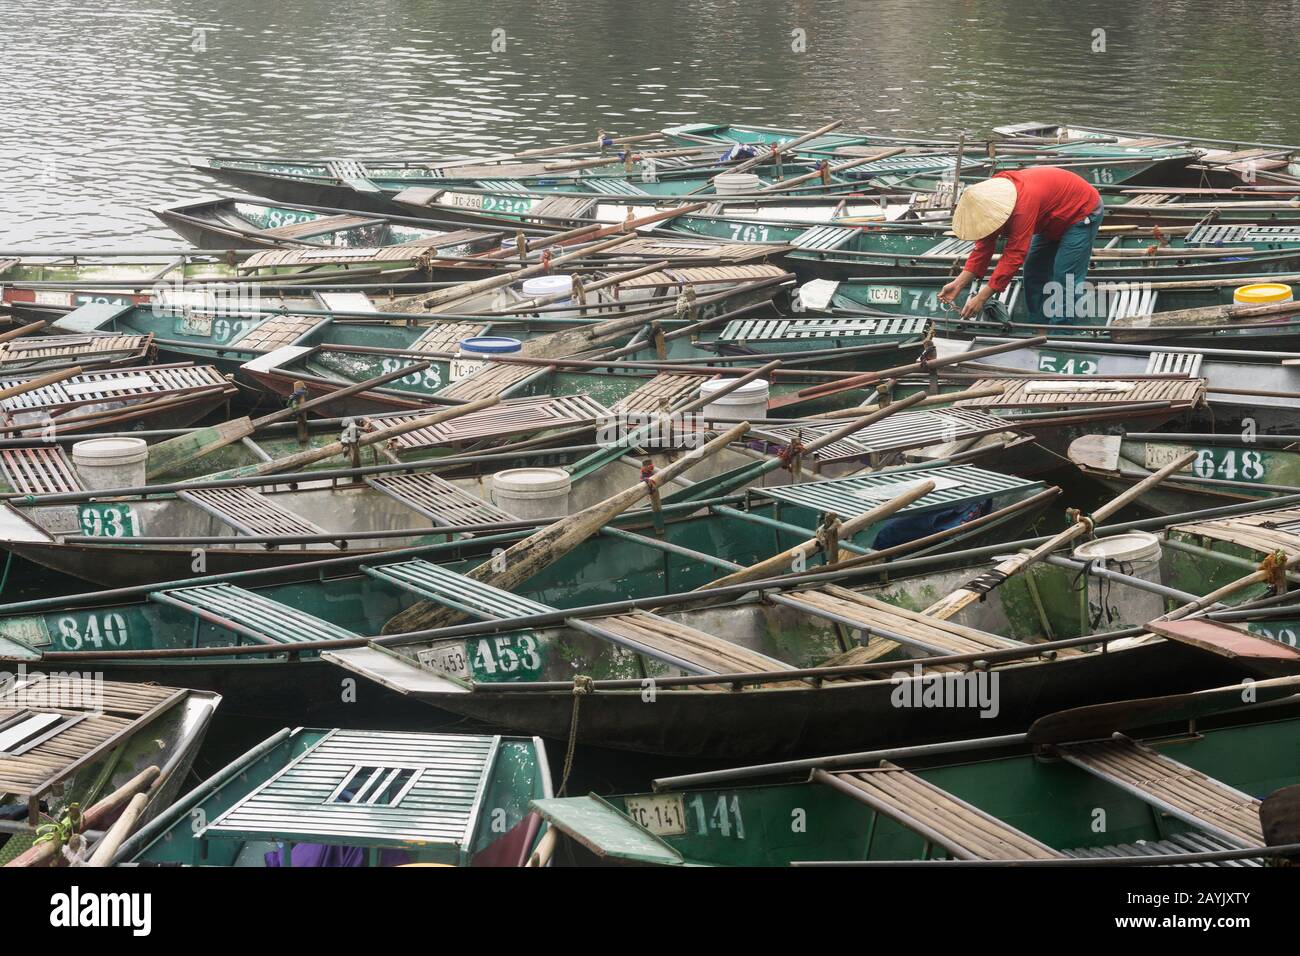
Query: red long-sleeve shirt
(1049, 200)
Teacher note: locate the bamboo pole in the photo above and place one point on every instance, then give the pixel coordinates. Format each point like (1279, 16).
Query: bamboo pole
(943, 398)
(817, 545)
(525, 558)
(784, 184)
(22, 330)
(95, 818)
(955, 602)
(118, 832)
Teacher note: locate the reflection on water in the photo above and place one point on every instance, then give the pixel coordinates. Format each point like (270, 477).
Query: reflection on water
(101, 106)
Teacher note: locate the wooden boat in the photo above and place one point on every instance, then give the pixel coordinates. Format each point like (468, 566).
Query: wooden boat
(1241, 384)
(1080, 787)
(316, 797)
(838, 251)
(41, 353)
(77, 749)
(402, 189)
(161, 395)
(1198, 312)
(1229, 468)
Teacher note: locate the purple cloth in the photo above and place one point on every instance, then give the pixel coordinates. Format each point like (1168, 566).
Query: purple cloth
(320, 854)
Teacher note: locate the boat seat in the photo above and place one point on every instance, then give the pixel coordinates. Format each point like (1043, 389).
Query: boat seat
(251, 615)
(275, 332)
(613, 187)
(1125, 301)
(965, 831)
(438, 500)
(1194, 841)
(950, 248)
(659, 638)
(39, 470)
(496, 378)
(446, 336)
(252, 513)
(315, 227)
(900, 432)
(418, 195)
(666, 388)
(1170, 786)
(1018, 392)
(855, 327)
(351, 172)
(911, 628)
(344, 301)
(514, 416)
(823, 238)
(1175, 363)
(564, 209)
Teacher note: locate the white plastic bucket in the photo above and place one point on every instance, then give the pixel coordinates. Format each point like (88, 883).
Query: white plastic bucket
(746, 403)
(533, 492)
(542, 286)
(731, 184)
(1113, 603)
(111, 462)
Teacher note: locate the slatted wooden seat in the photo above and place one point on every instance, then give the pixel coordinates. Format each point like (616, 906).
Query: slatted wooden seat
(71, 346)
(275, 332)
(824, 238)
(1034, 393)
(514, 416)
(149, 382)
(1264, 531)
(320, 226)
(1175, 788)
(563, 209)
(250, 512)
(845, 327)
(438, 500)
(42, 746)
(704, 276)
(655, 637)
(876, 618)
(445, 336)
(39, 470)
(965, 831)
(665, 389)
(651, 248)
(1193, 841)
(495, 378)
(900, 432)
(251, 615)
(1175, 363)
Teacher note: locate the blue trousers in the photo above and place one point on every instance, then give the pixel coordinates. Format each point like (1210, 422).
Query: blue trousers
(1055, 273)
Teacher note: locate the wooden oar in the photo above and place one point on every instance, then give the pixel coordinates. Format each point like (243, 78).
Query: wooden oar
(924, 365)
(525, 558)
(96, 817)
(22, 330)
(963, 597)
(764, 157)
(1204, 315)
(1267, 571)
(49, 378)
(781, 563)
(168, 455)
(118, 832)
(783, 184)
(942, 398)
(294, 462)
(445, 297)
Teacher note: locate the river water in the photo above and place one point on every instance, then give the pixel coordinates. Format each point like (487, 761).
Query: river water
(102, 102)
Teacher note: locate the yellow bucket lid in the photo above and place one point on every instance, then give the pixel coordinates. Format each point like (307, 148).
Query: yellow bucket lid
(1262, 293)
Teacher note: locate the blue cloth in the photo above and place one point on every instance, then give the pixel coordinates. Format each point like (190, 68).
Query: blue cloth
(1056, 274)
(319, 854)
(902, 530)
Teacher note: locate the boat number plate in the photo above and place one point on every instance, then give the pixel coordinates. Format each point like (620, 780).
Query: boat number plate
(449, 658)
(885, 294)
(464, 368)
(661, 814)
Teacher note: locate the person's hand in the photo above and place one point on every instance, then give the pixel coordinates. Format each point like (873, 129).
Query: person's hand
(975, 303)
(949, 292)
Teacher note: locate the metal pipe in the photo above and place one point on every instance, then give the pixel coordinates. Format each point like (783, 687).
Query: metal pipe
(1098, 569)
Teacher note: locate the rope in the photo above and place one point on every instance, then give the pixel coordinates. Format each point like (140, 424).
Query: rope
(582, 686)
(62, 830)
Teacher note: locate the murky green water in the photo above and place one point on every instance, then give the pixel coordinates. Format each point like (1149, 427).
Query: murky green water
(101, 103)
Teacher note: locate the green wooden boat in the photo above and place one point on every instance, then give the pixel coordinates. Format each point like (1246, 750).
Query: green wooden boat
(1121, 307)
(72, 742)
(1046, 797)
(1229, 468)
(316, 797)
(725, 697)
(846, 251)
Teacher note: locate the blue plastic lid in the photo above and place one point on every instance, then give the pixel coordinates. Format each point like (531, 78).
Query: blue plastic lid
(490, 344)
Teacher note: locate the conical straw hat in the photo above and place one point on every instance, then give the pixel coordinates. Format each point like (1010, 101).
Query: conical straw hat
(984, 208)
